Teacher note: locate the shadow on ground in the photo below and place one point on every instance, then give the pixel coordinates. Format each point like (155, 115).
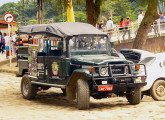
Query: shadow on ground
(58, 99)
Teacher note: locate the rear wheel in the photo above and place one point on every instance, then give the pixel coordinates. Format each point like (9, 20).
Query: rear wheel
(83, 95)
(158, 90)
(28, 90)
(134, 97)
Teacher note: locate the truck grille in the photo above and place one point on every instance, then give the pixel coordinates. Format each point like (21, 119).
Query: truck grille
(118, 69)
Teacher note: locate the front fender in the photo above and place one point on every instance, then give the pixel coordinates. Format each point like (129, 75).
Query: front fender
(71, 86)
(77, 74)
(150, 81)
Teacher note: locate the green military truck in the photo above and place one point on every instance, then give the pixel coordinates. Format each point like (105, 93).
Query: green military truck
(77, 58)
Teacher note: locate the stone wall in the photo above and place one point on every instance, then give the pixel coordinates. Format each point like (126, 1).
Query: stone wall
(155, 45)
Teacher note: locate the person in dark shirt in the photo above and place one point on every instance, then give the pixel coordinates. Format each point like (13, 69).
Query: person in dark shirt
(16, 45)
(101, 25)
(1, 43)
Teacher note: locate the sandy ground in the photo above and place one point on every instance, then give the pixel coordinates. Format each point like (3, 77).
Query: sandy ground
(51, 104)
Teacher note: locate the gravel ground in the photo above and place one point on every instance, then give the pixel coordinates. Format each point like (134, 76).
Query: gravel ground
(51, 104)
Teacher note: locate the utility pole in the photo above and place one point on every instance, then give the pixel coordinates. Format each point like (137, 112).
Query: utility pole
(163, 6)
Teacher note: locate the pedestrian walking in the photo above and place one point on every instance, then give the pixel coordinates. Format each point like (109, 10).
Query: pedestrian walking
(101, 25)
(6, 38)
(127, 28)
(14, 40)
(121, 27)
(1, 42)
(97, 26)
(121, 24)
(110, 27)
(140, 18)
(161, 17)
(16, 46)
(162, 21)
(155, 27)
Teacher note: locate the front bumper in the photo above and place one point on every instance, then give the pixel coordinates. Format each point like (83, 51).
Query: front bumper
(123, 87)
(120, 82)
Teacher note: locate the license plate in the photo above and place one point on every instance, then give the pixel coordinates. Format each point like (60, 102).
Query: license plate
(105, 88)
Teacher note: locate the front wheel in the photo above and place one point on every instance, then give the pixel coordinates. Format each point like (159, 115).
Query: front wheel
(158, 90)
(134, 97)
(28, 90)
(83, 95)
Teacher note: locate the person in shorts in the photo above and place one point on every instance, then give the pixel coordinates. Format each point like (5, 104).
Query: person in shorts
(6, 38)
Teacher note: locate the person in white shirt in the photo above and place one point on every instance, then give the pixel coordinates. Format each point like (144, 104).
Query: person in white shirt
(140, 18)
(6, 38)
(110, 27)
(14, 36)
(14, 40)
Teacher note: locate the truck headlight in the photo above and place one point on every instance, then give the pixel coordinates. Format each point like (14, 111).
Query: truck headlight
(103, 71)
(140, 79)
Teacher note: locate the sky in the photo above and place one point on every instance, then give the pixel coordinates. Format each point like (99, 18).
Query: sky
(7, 1)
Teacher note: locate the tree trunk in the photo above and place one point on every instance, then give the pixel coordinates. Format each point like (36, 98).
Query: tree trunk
(150, 16)
(93, 11)
(40, 12)
(23, 13)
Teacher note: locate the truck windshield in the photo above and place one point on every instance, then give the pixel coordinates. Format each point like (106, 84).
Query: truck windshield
(88, 45)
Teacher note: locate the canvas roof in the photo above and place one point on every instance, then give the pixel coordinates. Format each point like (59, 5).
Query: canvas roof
(62, 29)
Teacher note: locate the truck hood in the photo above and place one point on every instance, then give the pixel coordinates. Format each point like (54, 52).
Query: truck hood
(97, 60)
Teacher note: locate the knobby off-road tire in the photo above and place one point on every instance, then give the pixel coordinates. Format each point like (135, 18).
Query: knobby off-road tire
(83, 94)
(134, 98)
(158, 90)
(28, 90)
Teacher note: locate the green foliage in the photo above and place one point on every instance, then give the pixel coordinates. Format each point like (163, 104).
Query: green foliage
(33, 21)
(56, 10)
(9, 7)
(121, 8)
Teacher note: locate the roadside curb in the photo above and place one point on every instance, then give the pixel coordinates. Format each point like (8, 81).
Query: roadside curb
(7, 61)
(8, 71)
(13, 59)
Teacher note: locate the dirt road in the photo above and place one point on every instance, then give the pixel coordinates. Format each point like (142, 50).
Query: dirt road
(51, 104)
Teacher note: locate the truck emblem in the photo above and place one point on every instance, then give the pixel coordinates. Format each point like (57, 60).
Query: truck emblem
(55, 68)
(116, 70)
